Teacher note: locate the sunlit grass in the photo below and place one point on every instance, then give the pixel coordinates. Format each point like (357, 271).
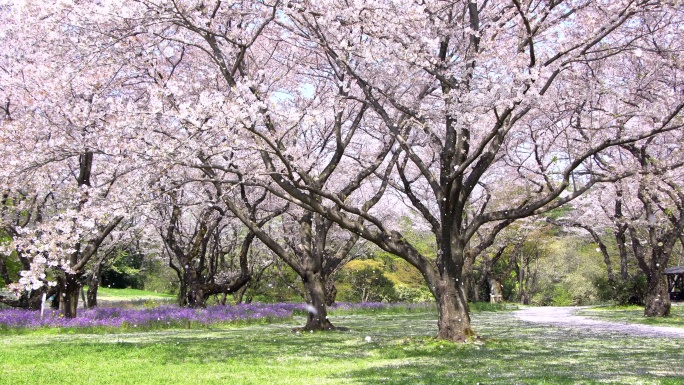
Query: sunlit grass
(401, 350)
(635, 314)
(132, 297)
(109, 294)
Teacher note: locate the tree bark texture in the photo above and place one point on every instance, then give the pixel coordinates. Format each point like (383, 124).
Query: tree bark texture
(330, 291)
(68, 295)
(317, 317)
(657, 300)
(94, 284)
(454, 318)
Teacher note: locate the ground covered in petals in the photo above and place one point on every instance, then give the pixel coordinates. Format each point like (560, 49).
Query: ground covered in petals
(383, 345)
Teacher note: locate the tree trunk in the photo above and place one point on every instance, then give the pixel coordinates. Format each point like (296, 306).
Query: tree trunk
(523, 298)
(4, 274)
(468, 286)
(330, 292)
(94, 284)
(481, 282)
(195, 297)
(92, 295)
(182, 295)
(657, 297)
(238, 296)
(524, 292)
(68, 295)
(317, 318)
(454, 319)
(624, 256)
(27, 300)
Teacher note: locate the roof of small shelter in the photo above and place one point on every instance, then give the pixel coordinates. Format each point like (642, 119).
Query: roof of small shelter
(674, 270)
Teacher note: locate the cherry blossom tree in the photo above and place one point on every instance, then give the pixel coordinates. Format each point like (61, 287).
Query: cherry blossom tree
(226, 95)
(475, 114)
(199, 238)
(644, 215)
(644, 211)
(63, 146)
(486, 97)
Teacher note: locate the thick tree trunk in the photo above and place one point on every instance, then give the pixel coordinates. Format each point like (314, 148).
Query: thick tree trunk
(482, 282)
(34, 301)
(182, 295)
(454, 319)
(195, 297)
(330, 292)
(92, 295)
(317, 318)
(68, 295)
(621, 240)
(657, 297)
(191, 292)
(468, 286)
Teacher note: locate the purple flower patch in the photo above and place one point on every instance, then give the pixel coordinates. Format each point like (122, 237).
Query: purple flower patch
(166, 315)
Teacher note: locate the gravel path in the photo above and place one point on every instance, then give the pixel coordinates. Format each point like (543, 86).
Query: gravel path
(565, 317)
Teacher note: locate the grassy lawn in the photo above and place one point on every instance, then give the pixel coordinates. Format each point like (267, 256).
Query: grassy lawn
(108, 294)
(131, 297)
(635, 314)
(400, 350)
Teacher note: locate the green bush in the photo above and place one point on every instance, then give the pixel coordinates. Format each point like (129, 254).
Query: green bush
(628, 292)
(413, 295)
(561, 296)
(542, 298)
(367, 283)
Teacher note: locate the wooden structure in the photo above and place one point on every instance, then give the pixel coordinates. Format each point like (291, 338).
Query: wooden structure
(675, 282)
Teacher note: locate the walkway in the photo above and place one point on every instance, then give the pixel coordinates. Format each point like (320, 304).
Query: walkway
(565, 317)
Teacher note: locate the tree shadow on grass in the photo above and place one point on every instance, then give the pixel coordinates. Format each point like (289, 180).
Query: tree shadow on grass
(393, 349)
(525, 362)
(519, 353)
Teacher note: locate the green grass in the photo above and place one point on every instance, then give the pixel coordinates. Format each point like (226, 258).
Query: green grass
(401, 351)
(635, 314)
(131, 297)
(129, 294)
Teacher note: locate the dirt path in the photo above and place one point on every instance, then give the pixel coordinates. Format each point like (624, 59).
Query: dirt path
(565, 317)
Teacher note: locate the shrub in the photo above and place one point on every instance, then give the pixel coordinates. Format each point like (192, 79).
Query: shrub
(413, 295)
(628, 292)
(367, 282)
(561, 296)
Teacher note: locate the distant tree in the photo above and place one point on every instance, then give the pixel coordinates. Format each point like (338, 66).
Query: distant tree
(199, 237)
(368, 283)
(644, 216)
